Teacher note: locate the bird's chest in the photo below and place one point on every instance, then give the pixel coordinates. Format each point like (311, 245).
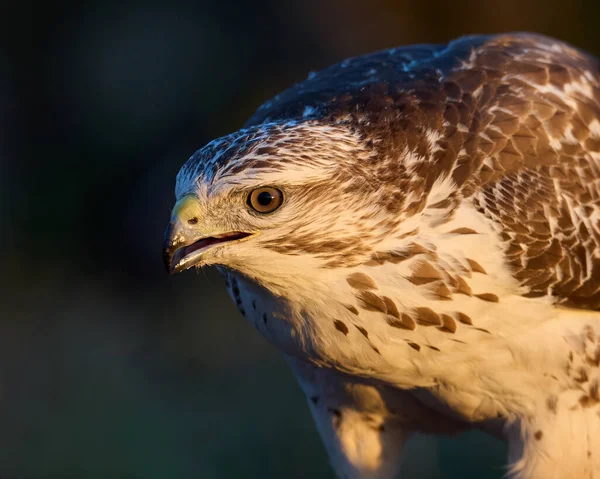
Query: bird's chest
(399, 357)
(316, 335)
(270, 316)
(297, 332)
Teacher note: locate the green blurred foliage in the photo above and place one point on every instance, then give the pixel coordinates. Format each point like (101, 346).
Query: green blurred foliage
(108, 368)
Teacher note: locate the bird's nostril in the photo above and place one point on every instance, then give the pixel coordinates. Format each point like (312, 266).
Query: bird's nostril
(193, 221)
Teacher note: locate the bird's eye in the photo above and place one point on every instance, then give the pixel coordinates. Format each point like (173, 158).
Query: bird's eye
(265, 200)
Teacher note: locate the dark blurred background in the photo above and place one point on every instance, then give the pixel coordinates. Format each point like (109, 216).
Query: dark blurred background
(109, 368)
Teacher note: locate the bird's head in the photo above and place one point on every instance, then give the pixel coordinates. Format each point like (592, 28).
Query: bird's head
(279, 200)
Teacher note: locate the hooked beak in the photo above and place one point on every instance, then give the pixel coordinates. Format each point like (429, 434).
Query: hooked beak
(186, 239)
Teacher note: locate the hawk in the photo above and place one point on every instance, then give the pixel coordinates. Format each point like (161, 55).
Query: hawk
(418, 231)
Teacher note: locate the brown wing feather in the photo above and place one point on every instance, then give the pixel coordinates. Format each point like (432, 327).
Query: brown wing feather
(517, 118)
(540, 179)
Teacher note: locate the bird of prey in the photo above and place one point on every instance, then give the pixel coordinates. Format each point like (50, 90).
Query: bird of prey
(418, 231)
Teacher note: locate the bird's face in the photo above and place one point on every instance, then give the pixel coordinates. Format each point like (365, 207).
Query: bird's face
(272, 201)
(224, 224)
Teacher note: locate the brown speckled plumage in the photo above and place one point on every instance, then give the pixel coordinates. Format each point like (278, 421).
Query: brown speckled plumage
(498, 137)
(437, 246)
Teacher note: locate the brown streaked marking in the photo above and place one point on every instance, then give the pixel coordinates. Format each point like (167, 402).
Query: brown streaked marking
(594, 391)
(586, 401)
(363, 331)
(337, 416)
(433, 347)
(552, 403)
(428, 317)
(341, 327)
(415, 346)
(405, 322)
(448, 323)
(492, 298)
(416, 248)
(441, 291)
(582, 376)
(463, 231)
(458, 341)
(374, 261)
(424, 273)
(463, 318)
(482, 330)
(538, 435)
(266, 150)
(392, 309)
(361, 281)
(595, 359)
(409, 233)
(442, 204)
(463, 287)
(396, 257)
(372, 302)
(475, 266)
(351, 308)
